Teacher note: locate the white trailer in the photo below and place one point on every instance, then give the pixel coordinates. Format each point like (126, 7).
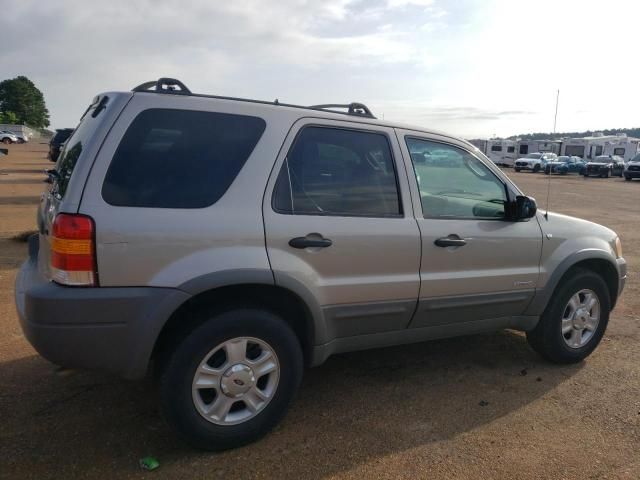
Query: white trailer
(623, 146)
(501, 152)
(540, 145)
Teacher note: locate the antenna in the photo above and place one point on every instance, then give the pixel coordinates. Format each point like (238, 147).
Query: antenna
(555, 120)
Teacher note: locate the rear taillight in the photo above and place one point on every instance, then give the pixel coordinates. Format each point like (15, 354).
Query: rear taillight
(73, 252)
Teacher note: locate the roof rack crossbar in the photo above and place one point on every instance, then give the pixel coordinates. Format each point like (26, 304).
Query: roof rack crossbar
(353, 108)
(164, 85)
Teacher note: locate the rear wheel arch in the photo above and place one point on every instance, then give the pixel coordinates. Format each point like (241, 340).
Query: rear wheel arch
(206, 304)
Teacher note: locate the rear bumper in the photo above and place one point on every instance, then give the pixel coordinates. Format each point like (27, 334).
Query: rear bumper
(111, 329)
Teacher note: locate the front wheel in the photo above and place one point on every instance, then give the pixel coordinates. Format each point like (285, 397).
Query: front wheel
(536, 168)
(627, 178)
(574, 322)
(7, 141)
(232, 379)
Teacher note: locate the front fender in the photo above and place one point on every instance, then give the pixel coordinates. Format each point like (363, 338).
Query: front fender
(543, 295)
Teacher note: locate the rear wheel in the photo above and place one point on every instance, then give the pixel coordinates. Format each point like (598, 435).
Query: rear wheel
(232, 379)
(575, 319)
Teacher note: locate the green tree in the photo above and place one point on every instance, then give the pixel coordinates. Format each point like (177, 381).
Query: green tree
(8, 117)
(20, 96)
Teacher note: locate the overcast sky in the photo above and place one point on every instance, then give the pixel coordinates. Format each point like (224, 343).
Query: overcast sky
(472, 68)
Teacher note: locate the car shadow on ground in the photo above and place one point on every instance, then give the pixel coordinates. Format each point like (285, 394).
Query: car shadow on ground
(354, 408)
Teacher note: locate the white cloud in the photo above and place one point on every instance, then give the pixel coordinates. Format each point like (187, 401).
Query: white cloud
(404, 3)
(414, 60)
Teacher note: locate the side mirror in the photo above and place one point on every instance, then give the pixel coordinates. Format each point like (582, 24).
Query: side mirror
(524, 208)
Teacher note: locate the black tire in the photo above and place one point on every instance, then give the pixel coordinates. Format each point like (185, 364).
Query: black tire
(178, 371)
(547, 339)
(7, 141)
(517, 169)
(547, 171)
(627, 178)
(536, 168)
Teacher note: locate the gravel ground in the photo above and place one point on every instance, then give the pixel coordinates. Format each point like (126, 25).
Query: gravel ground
(475, 407)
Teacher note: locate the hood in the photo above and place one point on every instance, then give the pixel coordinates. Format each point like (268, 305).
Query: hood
(571, 227)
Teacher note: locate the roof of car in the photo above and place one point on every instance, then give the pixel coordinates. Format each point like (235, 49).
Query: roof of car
(356, 111)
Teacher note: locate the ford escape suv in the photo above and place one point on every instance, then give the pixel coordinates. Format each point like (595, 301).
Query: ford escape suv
(224, 244)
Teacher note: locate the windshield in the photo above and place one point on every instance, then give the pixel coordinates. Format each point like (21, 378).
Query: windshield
(636, 158)
(563, 159)
(534, 155)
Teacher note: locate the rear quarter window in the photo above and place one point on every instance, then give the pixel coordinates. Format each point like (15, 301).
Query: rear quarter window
(179, 158)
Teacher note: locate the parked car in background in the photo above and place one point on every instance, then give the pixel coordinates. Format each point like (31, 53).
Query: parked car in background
(55, 144)
(564, 165)
(8, 137)
(22, 138)
(351, 239)
(534, 162)
(632, 168)
(604, 166)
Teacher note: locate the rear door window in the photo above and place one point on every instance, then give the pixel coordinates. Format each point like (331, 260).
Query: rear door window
(339, 172)
(179, 158)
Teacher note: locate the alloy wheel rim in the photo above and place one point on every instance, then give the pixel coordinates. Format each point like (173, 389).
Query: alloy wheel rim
(235, 381)
(580, 318)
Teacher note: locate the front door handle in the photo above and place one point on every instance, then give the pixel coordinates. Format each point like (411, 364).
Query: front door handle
(306, 242)
(452, 240)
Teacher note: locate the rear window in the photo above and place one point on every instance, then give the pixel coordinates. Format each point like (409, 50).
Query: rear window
(179, 158)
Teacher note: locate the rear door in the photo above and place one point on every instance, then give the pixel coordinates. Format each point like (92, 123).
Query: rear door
(476, 265)
(339, 225)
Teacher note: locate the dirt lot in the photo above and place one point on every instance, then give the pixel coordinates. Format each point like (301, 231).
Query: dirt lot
(475, 407)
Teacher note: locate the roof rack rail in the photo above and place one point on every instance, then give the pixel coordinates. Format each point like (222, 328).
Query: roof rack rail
(353, 108)
(164, 85)
(176, 87)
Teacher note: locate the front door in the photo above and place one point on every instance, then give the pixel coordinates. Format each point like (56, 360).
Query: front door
(476, 265)
(339, 226)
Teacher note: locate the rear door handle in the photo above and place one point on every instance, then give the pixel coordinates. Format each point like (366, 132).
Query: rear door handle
(452, 240)
(306, 242)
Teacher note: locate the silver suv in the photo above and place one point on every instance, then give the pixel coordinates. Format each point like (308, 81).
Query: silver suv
(229, 243)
